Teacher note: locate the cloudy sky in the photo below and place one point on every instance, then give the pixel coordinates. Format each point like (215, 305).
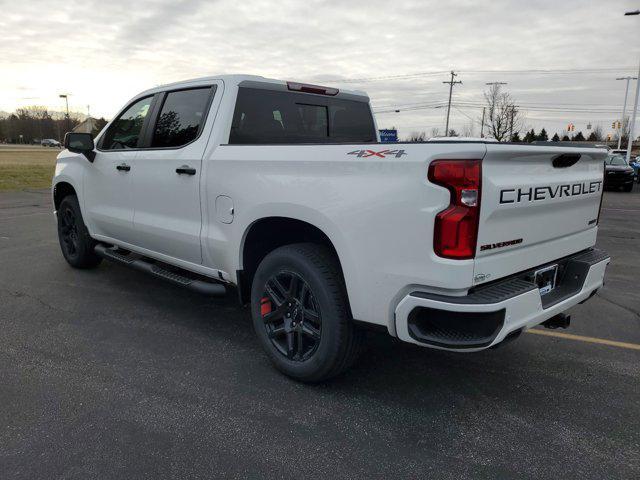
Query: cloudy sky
(559, 58)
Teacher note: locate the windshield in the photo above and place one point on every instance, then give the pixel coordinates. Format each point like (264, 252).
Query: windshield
(616, 160)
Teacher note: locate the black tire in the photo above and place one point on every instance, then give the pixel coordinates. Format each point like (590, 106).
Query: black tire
(75, 242)
(628, 188)
(324, 342)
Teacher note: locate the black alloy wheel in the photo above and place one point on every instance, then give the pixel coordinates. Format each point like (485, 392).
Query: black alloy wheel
(75, 242)
(291, 316)
(301, 313)
(69, 231)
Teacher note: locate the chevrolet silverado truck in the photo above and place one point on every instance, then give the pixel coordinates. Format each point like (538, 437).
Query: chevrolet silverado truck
(281, 192)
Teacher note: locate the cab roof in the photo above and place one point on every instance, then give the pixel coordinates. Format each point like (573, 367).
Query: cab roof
(237, 79)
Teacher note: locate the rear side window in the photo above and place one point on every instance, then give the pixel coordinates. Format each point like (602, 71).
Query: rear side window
(181, 117)
(267, 116)
(124, 132)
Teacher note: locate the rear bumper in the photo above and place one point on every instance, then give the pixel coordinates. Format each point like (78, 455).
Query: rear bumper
(487, 315)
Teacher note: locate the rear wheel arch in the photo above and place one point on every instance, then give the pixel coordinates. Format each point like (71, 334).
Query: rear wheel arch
(265, 235)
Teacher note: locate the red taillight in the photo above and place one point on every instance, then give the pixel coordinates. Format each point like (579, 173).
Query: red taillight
(456, 227)
(317, 89)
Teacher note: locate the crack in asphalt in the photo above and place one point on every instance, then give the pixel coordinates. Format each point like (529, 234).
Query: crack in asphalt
(613, 302)
(21, 294)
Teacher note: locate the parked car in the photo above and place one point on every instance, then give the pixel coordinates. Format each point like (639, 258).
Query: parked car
(618, 173)
(282, 192)
(50, 142)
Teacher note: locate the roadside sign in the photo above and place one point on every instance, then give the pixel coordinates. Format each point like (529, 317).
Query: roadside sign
(388, 136)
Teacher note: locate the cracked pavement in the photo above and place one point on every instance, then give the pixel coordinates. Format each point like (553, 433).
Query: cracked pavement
(112, 374)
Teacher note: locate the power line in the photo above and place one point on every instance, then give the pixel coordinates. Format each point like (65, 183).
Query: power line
(407, 106)
(538, 71)
(472, 119)
(386, 77)
(526, 106)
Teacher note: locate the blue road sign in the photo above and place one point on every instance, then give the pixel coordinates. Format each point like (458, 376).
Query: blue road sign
(388, 136)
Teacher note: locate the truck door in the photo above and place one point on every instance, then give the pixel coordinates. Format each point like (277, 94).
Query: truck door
(108, 198)
(166, 184)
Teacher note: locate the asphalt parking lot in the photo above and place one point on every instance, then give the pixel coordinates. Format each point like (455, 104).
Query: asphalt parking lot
(112, 374)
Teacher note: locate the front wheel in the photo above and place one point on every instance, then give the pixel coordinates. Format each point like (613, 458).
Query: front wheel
(75, 242)
(301, 313)
(628, 188)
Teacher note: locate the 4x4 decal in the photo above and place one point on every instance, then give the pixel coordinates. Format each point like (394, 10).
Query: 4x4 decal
(381, 153)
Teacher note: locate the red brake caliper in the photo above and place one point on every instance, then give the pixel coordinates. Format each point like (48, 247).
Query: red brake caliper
(265, 306)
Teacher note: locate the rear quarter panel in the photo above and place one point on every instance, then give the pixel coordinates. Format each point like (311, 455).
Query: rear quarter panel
(378, 212)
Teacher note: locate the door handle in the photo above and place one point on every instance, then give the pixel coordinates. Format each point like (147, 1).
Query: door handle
(185, 170)
(123, 167)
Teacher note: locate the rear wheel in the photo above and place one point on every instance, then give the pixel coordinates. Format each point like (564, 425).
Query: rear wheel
(628, 188)
(75, 242)
(301, 314)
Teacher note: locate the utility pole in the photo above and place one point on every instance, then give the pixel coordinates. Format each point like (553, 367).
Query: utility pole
(513, 111)
(635, 104)
(482, 123)
(451, 84)
(624, 108)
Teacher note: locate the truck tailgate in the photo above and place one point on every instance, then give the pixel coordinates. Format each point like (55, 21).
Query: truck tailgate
(538, 204)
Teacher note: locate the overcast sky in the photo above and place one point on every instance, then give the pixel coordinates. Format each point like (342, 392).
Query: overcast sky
(104, 52)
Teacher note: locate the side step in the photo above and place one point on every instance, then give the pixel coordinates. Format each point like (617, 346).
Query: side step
(200, 286)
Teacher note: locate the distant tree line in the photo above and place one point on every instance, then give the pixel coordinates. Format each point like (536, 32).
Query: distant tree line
(32, 124)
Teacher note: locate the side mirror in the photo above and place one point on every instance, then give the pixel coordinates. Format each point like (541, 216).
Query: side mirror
(80, 143)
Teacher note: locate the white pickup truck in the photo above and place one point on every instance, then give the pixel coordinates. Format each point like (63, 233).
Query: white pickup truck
(281, 191)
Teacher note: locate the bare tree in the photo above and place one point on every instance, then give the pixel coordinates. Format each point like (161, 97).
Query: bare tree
(435, 132)
(32, 124)
(502, 117)
(624, 131)
(596, 134)
(468, 130)
(417, 137)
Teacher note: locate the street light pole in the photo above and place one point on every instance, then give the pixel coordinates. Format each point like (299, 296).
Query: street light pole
(451, 84)
(624, 108)
(635, 103)
(66, 101)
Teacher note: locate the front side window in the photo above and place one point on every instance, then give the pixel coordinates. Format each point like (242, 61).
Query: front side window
(267, 117)
(125, 131)
(181, 117)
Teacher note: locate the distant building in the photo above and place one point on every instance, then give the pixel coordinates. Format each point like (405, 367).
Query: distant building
(86, 126)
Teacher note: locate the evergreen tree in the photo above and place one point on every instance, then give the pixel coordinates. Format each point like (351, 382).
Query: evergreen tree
(566, 138)
(530, 136)
(543, 135)
(555, 138)
(579, 137)
(516, 137)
